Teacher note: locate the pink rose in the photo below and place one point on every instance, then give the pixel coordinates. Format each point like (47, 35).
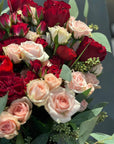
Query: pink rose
(13, 52)
(32, 51)
(78, 28)
(52, 81)
(8, 125)
(78, 83)
(37, 91)
(61, 105)
(91, 78)
(21, 109)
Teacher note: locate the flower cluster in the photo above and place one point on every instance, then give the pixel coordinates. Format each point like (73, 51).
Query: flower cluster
(38, 66)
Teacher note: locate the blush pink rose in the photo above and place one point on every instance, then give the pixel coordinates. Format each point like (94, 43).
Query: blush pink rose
(52, 81)
(78, 28)
(13, 52)
(37, 91)
(61, 105)
(33, 51)
(78, 82)
(91, 78)
(97, 70)
(8, 125)
(21, 109)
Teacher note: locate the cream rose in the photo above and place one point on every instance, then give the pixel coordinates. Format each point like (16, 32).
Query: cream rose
(13, 52)
(52, 81)
(97, 70)
(63, 35)
(61, 105)
(78, 28)
(37, 91)
(78, 83)
(32, 35)
(32, 51)
(8, 125)
(21, 109)
(91, 78)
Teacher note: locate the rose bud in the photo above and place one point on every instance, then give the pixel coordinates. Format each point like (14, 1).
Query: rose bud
(5, 21)
(26, 11)
(15, 18)
(20, 29)
(37, 91)
(97, 70)
(61, 105)
(35, 65)
(63, 35)
(66, 53)
(84, 105)
(32, 35)
(21, 109)
(56, 12)
(8, 126)
(93, 50)
(41, 27)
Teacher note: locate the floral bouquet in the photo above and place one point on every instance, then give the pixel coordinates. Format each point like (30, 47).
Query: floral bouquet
(50, 63)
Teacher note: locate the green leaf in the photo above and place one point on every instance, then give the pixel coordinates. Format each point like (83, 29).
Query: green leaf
(19, 139)
(86, 92)
(3, 101)
(66, 73)
(103, 104)
(5, 10)
(74, 8)
(86, 8)
(78, 119)
(86, 128)
(41, 139)
(102, 39)
(1, 6)
(103, 138)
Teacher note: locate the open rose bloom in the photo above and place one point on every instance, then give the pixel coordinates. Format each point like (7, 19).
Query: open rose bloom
(49, 68)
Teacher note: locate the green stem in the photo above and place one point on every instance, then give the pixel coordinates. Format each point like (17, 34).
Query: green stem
(55, 49)
(80, 55)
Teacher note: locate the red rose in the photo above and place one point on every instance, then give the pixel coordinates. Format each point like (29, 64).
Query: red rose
(6, 66)
(93, 50)
(55, 60)
(56, 12)
(5, 21)
(54, 69)
(29, 76)
(66, 53)
(15, 5)
(35, 65)
(12, 84)
(20, 29)
(41, 41)
(26, 11)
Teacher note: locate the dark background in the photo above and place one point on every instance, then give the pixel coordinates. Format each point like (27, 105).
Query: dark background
(101, 13)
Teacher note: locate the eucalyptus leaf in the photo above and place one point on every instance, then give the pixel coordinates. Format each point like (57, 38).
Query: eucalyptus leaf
(1, 5)
(5, 10)
(102, 39)
(3, 101)
(41, 139)
(74, 8)
(86, 8)
(66, 73)
(19, 139)
(81, 117)
(86, 128)
(103, 138)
